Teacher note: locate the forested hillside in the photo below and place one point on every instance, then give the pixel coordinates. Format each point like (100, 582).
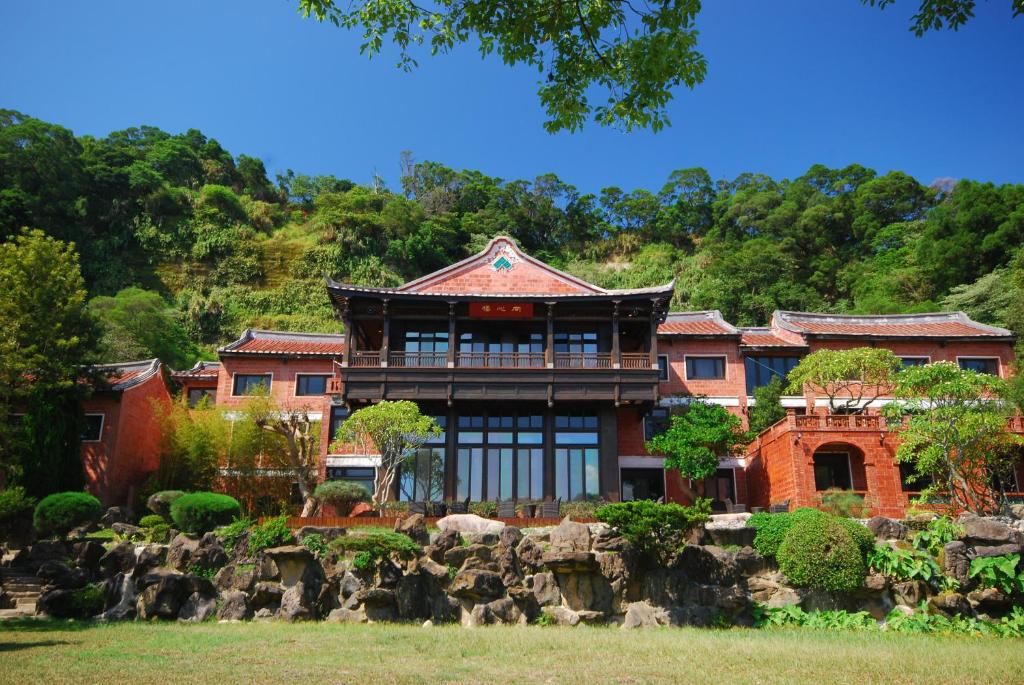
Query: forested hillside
(183, 243)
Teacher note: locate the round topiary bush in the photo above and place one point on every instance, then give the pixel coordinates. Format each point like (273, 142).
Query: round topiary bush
(160, 502)
(342, 495)
(58, 513)
(150, 520)
(772, 528)
(819, 553)
(201, 512)
(864, 538)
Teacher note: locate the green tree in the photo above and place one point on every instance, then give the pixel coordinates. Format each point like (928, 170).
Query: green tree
(952, 426)
(193, 444)
(395, 430)
(936, 15)
(636, 54)
(138, 324)
(698, 435)
(300, 436)
(767, 409)
(46, 334)
(850, 379)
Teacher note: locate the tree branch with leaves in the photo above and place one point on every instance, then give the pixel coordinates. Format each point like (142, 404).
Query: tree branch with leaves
(851, 379)
(300, 435)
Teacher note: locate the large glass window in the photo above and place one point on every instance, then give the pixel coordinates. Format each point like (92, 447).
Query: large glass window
(577, 456)
(761, 370)
(705, 368)
(430, 346)
(500, 457)
(989, 365)
(421, 477)
(576, 342)
(251, 384)
(365, 476)
(525, 349)
(197, 395)
(311, 384)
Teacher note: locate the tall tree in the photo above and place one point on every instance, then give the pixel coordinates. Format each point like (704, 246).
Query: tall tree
(301, 437)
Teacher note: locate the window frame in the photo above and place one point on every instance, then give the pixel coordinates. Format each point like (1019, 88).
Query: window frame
(997, 360)
(927, 359)
(569, 445)
(207, 392)
(725, 366)
(664, 372)
(756, 359)
(849, 470)
(234, 382)
(103, 424)
(306, 374)
(647, 419)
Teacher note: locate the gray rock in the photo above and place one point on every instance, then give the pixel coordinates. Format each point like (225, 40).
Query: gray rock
(87, 554)
(479, 615)
(531, 556)
(996, 550)
(886, 528)
(149, 557)
(644, 615)
(446, 540)
(469, 523)
(266, 594)
(347, 616)
(508, 566)
(990, 601)
(784, 597)
(60, 575)
(264, 614)
(431, 568)
(951, 604)
(486, 538)
(410, 598)
(197, 608)
(161, 596)
(115, 515)
(510, 536)
(234, 606)
(504, 611)
(292, 561)
(563, 561)
(209, 553)
(414, 527)
(232, 578)
(476, 584)
(909, 593)
(563, 616)
(180, 551)
(570, 536)
(545, 589)
(59, 603)
(708, 565)
(120, 559)
(126, 530)
(298, 603)
(350, 584)
(955, 562)
(988, 531)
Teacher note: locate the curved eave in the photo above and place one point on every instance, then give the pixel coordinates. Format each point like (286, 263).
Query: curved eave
(348, 291)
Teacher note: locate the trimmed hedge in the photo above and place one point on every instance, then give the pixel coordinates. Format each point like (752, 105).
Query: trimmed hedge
(60, 512)
(772, 528)
(819, 553)
(14, 503)
(343, 495)
(371, 548)
(160, 502)
(657, 530)
(201, 512)
(150, 520)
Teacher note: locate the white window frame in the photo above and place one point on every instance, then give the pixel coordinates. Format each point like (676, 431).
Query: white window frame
(265, 373)
(926, 357)
(999, 361)
(103, 424)
(668, 369)
(295, 385)
(725, 366)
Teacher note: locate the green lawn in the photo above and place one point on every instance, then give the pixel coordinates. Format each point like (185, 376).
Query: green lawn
(139, 653)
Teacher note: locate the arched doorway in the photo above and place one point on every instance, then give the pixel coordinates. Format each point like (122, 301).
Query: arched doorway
(839, 466)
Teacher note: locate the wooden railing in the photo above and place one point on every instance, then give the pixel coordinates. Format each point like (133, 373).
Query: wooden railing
(501, 360)
(364, 359)
(583, 361)
(636, 360)
(418, 359)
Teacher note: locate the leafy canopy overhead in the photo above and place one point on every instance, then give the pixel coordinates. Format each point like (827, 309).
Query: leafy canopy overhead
(935, 15)
(850, 379)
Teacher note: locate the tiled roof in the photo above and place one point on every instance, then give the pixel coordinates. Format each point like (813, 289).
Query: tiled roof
(697, 323)
(941, 325)
(765, 337)
(202, 370)
(124, 375)
(284, 343)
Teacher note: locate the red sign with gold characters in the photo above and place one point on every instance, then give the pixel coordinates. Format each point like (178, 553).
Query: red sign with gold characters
(501, 310)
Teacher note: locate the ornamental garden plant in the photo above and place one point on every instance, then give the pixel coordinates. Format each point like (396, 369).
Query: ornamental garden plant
(57, 514)
(200, 512)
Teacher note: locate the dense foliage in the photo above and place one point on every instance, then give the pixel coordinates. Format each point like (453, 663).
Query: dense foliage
(342, 495)
(201, 512)
(1011, 625)
(273, 532)
(371, 548)
(160, 502)
(656, 530)
(819, 553)
(60, 512)
(15, 503)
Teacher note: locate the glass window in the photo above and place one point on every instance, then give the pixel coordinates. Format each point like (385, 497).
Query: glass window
(310, 384)
(913, 361)
(421, 477)
(911, 482)
(197, 395)
(832, 470)
(989, 365)
(662, 367)
(251, 384)
(92, 431)
(365, 476)
(510, 467)
(705, 368)
(577, 456)
(338, 416)
(656, 422)
(760, 370)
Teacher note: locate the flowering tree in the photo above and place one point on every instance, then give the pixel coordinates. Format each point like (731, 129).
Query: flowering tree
(396, 430)
(850, 379)
(953, 427)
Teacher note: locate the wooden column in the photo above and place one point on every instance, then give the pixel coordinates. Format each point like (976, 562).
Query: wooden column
(549, 349)
(451, 475)
(655, 317)
(346, 321)
(385, 333)
(451, 335)
(616, 344)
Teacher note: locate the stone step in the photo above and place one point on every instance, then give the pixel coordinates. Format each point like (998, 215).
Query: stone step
(17, 613)
(19, 594)
(24, 605)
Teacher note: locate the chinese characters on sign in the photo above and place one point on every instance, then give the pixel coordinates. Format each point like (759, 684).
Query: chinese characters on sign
(501, 310)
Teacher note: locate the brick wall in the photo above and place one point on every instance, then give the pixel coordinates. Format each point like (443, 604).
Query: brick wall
(282, 386)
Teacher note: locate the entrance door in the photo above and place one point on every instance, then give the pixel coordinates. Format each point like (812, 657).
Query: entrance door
(643, 484)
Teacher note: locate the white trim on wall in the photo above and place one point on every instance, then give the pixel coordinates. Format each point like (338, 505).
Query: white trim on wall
(357, 461)
(791, 401)
(722, 400)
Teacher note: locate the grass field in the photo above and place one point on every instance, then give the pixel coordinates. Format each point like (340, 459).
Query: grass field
(139, 653)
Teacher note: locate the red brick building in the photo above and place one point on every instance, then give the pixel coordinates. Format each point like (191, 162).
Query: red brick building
(547, 386)
(120, 445)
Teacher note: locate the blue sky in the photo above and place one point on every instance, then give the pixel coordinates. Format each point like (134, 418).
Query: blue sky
(790, 83)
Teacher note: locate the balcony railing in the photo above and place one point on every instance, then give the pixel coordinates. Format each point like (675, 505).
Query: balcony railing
(418, 359)
(501, 360)
(839, 421)
(365, 359)
(636, 360)
(582, 361)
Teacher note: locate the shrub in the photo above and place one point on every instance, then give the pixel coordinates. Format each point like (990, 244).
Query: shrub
(62, 511)
(343, 495)
(160, 502)
(315, 543)
(14, 503)
(819, 553)
(937, 534)
(150, 520)
(772, 528)
(200, 512)
(87, 601)
(371, 548)
(843, 503)
(233, 532)
(864, 538)
(999, 572)
(656, 530)
(581, 509)
(271, 533)
(160, 533)
(905, 564)
(485, 509)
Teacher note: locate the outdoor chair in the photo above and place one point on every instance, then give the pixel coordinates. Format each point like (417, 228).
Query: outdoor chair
(551, 509)
(506, 509)
(780, 508)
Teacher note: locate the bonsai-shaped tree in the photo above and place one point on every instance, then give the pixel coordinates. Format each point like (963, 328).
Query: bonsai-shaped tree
(300, 436)
(850, 379)
(394, 429)
(697, 436)
(953, 427)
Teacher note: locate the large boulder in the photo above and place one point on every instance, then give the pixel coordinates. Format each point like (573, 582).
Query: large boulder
(209, 553)
(295, 563)
(148, 557)
(234, 606)
(531, 555)
(161, 595)
(644, 615)
(411, 599)
(446, 540)
(59, 603)
(950, 604)
(46, 550)
(570, 536)
(476, 584)
(990, 532)
(469, 523)
(886, 528)
(955, 562)
(87, 554)
(233, 577)
(197, 608)
(708, 565)
(120, 559)
(545, 589)
(180, 551)
(566, 561)
(266, 595)
(298, 603)
(58, 574)
(414, 527)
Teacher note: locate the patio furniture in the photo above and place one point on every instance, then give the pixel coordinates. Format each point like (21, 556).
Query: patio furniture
(439, 509)
(780, 508)
(459, 507)
(506, 509)
(551, 509)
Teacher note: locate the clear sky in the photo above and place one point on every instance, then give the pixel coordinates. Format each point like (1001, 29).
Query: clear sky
(790, 83)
